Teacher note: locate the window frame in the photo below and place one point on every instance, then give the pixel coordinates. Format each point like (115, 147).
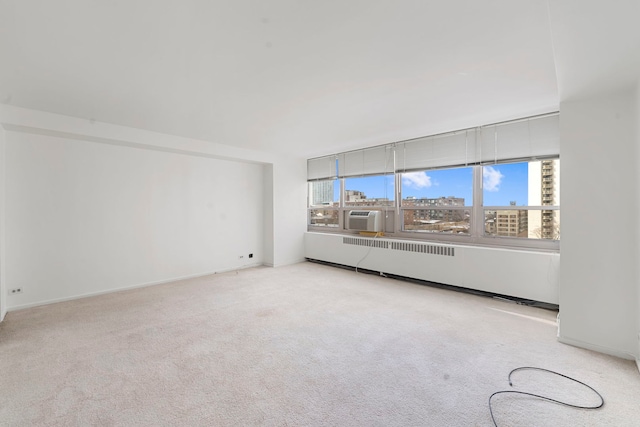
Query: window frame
(476, 235)
(311, 207)
(526, 139)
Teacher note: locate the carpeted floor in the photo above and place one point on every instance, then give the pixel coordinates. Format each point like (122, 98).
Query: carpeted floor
(302, 345)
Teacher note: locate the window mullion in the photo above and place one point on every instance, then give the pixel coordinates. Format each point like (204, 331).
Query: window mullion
(341, 210)
(477, 223)
(397, 224)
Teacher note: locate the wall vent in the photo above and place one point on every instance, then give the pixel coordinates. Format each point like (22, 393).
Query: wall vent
(401, 246)
(425, 249)
(383, 244)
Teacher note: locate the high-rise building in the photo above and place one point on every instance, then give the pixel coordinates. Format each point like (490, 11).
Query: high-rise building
(544, 190)
(550, 190)
(322, 193)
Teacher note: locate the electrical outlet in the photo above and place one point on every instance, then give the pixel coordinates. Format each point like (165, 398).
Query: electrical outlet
(15, 291)
(250, 255)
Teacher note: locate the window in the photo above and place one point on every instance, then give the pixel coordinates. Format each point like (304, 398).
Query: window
(324, 217)
(378, 190)
(521, 199)
(492, 185)
(324, 201)
(437, 201)
(324, 193)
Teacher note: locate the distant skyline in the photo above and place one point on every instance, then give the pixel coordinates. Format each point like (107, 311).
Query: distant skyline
(502, 184)
(439, 183)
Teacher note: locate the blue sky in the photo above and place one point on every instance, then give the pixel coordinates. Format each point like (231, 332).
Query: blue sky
(502, 184)
(513, 185)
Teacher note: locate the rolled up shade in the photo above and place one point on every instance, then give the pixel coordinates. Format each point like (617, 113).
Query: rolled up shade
(523, 139)
(369, 161)
(322, 168)
(535, 137)
(445, 150)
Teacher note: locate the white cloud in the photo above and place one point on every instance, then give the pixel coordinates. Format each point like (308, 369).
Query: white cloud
(416, 180)
(491, 178)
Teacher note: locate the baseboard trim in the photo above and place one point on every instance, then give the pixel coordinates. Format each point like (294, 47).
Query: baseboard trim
(126, 288)
(599, 348)
(288, 262)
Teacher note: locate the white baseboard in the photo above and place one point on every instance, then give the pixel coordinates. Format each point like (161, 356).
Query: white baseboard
(600, 349)
(288, 262)
(524, 274)
(291, 262)
(125, 288)
(638, 355)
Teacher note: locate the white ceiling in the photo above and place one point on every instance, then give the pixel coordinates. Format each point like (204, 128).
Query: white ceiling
(298, 76)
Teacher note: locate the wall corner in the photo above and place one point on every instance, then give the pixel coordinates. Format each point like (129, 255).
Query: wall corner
(289, 209)
(3, 284)
(268, 216)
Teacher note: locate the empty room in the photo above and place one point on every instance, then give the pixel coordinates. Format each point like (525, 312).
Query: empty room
(319, 213)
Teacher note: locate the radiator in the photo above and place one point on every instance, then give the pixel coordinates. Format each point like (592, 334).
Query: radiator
(519, 273)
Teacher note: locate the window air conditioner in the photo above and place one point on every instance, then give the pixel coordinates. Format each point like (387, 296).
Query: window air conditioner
(364, 221)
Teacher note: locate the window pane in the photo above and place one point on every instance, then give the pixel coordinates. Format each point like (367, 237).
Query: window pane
(324, 193)
(323, 217)
(512, 185)
(544, 225)
(378, 190)
(535, 183)
(438, 188)
(433, 220)
(531, 223)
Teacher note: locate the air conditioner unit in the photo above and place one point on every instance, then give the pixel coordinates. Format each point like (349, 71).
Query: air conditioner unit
(364, 220)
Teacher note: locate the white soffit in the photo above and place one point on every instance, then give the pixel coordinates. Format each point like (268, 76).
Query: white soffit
(596, 44)
(302, 77)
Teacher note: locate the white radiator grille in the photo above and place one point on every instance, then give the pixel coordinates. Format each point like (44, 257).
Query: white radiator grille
(422, 248)
(401, 246)
(383, 244)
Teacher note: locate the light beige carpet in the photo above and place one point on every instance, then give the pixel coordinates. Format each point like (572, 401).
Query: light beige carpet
(302, 345)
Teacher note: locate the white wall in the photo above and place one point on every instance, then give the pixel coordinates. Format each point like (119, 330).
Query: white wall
(516, 273)
(93, 207)
(599, 273)
(638, 229)
(3, 287)
(290, 210)
(84, 217)
(285, 211)
(268, 215)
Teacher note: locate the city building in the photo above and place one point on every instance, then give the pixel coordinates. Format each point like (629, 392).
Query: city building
(354, 197)
(427, 214)
(550, 185)
(511, 223)
(322, 193)
(544, 190)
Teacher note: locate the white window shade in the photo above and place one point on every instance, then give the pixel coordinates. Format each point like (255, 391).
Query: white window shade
(524, 139)
(516, 140)
(370, 161)
(545, 136)
(321, 168)
(446, 150)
